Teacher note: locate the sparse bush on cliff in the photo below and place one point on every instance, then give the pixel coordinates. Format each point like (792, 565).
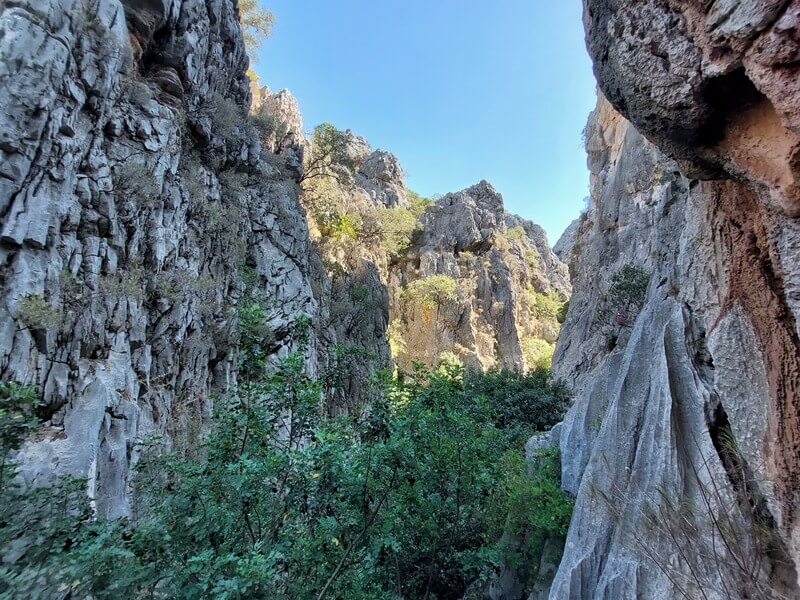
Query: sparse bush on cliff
(625, 299)
(628, 289)
(226, 117)
(36, 313)
(390, 229)
(329, 156)
(136, 182)
(256, 24)
(432, 291)
(417, 204)
(543, 306)
(515, 233)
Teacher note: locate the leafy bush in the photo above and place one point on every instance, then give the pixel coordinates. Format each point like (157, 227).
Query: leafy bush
(226, 117)
(396, 341)
(283, 502)
(521, 402)
(534, 503)
(417, 204)
(544, 306)
(391, 228)
(329, 156)
(338, 226)
(136, 182)
(36, 313)
(432, 291)
(532, 259)
(538, 353)
(628, 289)
(256, 23)
(515, 233)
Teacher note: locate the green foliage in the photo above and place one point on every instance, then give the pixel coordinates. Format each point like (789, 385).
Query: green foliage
(417, 204)
(136, 182)
(534, 503)
(36, 523)
(226, 117)
(283, 502)
(544, 306)
(628, 289)
(256, 23)
(36, 313)
(396, 341)
(538, 353)
(392, 228)
(256, 339)
(450, 360)
(329, 156)
(521, 402)
(339, 226)
(432, 291)
(532, 259)
(515, 233)
(17, 419)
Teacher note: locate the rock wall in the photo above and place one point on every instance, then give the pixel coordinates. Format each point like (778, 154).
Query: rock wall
(501, 265)
(133, 194)
(694, 413)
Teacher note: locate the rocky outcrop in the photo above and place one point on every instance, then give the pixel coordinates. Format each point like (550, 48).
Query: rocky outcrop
(133, 196)
(499, 272)
(684, 429)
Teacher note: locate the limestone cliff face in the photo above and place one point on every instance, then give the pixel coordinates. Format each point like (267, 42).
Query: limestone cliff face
(502, 270)
(696, 406)
(133, 195)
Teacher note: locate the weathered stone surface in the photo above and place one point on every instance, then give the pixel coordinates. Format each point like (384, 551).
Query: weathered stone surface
(132, 193)
(714, 84)
(713, 348)
(465, 236)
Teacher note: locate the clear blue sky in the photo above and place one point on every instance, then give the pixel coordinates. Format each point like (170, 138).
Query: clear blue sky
(459, 90)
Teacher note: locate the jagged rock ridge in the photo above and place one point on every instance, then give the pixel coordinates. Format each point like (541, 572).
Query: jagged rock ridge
(501, 265)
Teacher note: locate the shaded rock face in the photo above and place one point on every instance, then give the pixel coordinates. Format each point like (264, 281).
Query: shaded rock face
(465, 238)
(132, 194)
(698, 402)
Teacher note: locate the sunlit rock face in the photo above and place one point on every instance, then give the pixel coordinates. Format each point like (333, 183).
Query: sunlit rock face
(133, 193)
(497, 263)
(695, 404)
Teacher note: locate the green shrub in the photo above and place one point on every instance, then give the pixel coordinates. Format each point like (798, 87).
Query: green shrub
(136, 182)
(401, 501)
(532, 259)
(522, 403)
(628, 289)
(544, 306)
(329, 156)
(397, 343)
(226, 117)
(515, 233)
(534, 503)
(418, 204)
(393, 229)
(432, 291)
(36, 313)
(256, 24)
(538, 353)
(339, 226)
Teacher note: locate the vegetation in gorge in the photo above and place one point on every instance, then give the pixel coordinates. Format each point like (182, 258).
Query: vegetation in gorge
(406, 500)
(624, 301)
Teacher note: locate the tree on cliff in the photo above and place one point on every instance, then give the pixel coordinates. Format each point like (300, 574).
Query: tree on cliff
(256, 23)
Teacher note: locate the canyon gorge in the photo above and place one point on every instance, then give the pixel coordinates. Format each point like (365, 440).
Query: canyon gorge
(153, 198)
